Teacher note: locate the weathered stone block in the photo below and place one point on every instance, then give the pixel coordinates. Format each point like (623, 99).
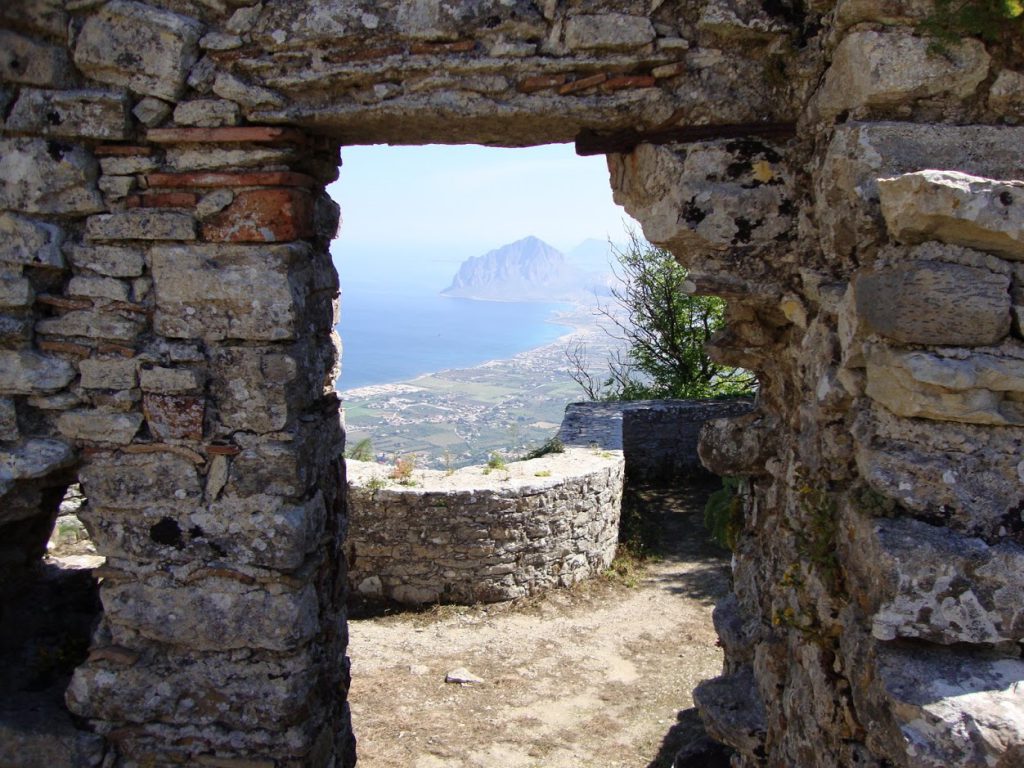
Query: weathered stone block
(955, 208)
(923, 582)
(30, 62)
(738, 446)
(152, 112)
(171, 380)
(113, 373)
(140, 47)
(132, 481)
(732, 711)
(846, 203)
(930, 302)
(174, 417)
(110, 260)
(28, 242)
(279, 469)
(222, 292)
(70, 114)
(141, 224)
(16, 292)
(931, 386)
(8, 420)
(38, 176)
(29, 373)
(217, 158)
(1006, 96)
(218, 690)
(608, 31)
(227, 86)
(211, 613)
(91, 324)
(96, 425)
(98, 288)
(263, 215)
(129, 164)
(937, 709)
(30, 460)
(883, 69)
(44, 17)
(252, 388)
(207, 113)
(712, 197)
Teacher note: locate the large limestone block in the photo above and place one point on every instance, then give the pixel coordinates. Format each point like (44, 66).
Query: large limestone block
(136, 481)
(731, 709)
(254, 389)
(607, 31)
(925, 582)
(712, 197)
(141, 224)
(738, 446)
(971, 389)
(38, 176)
(140, 47)
(89, 114)
(29, 373)
(115, 373)
(932, 302)
(197, 688)
(944, 709)
(969, 477)
(110, 260)
(229, 292)
(16, 292)
(100, 426)
(211, 613)
(258, 531)
(91, 324)
(882, 69)
(30, 243)
(847, 206)
(44, 17)
(27, 61)
(957, 208)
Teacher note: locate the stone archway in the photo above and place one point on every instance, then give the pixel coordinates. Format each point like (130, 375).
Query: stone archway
(168, 313)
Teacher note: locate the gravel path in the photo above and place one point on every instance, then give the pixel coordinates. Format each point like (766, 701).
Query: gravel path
(599, 675)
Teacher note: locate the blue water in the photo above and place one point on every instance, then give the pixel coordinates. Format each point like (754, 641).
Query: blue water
(399, 333)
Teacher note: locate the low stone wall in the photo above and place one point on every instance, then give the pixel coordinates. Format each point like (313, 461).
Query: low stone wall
(479, 535)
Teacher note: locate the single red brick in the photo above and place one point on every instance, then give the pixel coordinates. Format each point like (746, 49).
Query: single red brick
(230, 135)
(121, 150)
(116, 349)
(174, 417)
(462, 46)
(540, 83)
(583, 83)
(220, 179)
(263, 216)
(163, 200)
(628, 81)
(221, 449)
(64, 348)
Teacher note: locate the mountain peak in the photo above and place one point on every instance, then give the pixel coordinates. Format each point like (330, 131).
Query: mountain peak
(527, 270)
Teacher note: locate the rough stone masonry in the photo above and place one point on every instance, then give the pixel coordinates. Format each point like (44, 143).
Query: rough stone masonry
(168, 305)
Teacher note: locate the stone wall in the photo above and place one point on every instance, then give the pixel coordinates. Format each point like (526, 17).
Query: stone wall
(166, 302)
(481, 534)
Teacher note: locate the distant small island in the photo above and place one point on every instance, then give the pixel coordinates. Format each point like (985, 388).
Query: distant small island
(532, 270)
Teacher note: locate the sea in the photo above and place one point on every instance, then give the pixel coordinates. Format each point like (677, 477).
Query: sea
(395, 332)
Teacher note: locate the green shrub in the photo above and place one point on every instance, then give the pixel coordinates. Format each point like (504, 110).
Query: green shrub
(552, 445)
(361, 451)
(994, 21)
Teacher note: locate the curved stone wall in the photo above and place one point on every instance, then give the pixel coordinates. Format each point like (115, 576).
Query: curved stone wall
(483, 535)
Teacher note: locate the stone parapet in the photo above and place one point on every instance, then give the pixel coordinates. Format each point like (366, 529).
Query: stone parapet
(482, 534)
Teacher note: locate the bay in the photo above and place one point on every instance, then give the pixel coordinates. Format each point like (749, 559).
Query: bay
(395, 333)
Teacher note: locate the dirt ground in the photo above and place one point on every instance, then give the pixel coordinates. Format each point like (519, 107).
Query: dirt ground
(595, 676)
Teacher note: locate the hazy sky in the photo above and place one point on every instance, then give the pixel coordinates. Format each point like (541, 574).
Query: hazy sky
(443, 204)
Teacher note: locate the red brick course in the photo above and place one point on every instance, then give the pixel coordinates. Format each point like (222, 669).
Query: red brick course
(208, 179)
